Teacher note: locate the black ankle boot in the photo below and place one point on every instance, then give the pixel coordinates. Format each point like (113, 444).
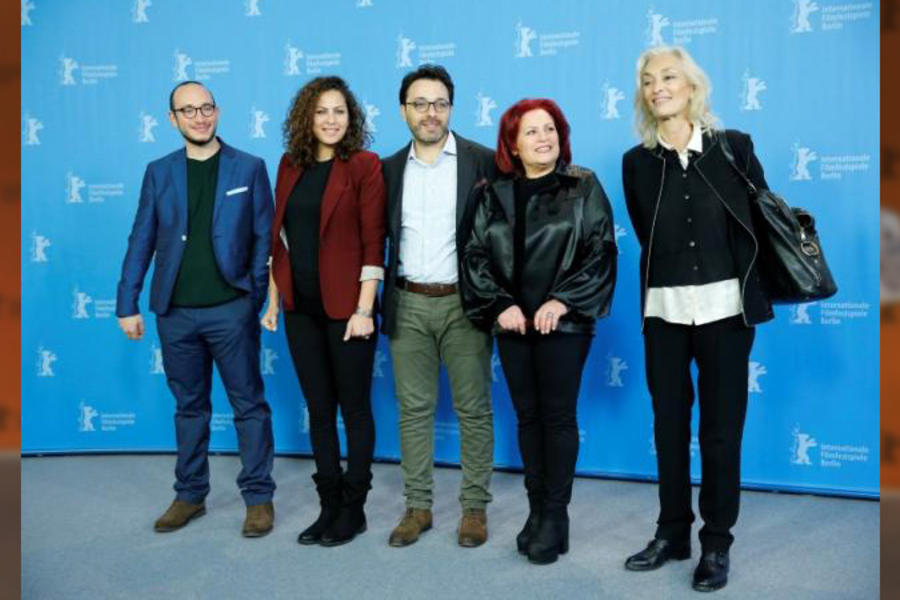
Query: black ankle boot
(551, 540)
(350, 522)
(529, 530)
(313, 533)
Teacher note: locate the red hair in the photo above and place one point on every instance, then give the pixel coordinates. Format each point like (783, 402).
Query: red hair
(506, 161)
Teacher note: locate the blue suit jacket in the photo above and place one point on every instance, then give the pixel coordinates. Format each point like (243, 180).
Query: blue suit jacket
(242, 220)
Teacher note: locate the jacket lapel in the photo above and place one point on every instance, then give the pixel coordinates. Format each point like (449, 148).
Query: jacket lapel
(338, 180)
(179, 178)
(395, 167)
(503, 188)
(712, 166)
(285, 184)
(465, 176)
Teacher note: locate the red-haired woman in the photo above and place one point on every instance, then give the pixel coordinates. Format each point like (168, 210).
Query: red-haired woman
(327, 257)
(539, 268)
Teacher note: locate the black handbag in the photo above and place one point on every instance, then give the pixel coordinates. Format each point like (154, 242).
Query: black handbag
(791, 258)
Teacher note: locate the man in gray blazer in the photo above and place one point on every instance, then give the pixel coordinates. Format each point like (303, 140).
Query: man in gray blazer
(428, 184)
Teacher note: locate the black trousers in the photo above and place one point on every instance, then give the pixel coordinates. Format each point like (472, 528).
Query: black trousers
(722, 351)
(543, 373)
(334, 373)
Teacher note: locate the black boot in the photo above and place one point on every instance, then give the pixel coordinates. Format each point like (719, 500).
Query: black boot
(531, 525)
(329, 489)
(350, 522)
(551, 539)
(351, 519)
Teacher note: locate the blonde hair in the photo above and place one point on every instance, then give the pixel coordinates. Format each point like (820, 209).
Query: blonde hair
(698, 105)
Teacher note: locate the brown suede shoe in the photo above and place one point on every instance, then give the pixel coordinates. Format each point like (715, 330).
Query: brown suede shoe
(179, 514)
(472, 527)
(259, 521)
(413, 523)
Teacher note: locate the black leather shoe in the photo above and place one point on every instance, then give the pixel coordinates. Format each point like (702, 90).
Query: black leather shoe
(712, 572)
(350, 522)
(528, 531)
(312, 534)
(656, 554)
(551, 540)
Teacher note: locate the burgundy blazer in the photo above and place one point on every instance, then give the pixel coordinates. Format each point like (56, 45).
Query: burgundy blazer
(351, 230)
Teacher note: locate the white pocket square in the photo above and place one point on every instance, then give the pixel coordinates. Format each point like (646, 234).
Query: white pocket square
(237, 190)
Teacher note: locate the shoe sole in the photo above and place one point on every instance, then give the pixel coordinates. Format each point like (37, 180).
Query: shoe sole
(403, 544)
(709, 588)
(257, 534)
(547, 560)
(309, 542)
(196, 515)
(471, 543)
(333, 543)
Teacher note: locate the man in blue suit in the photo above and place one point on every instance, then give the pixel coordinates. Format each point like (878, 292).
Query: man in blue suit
(206, 212)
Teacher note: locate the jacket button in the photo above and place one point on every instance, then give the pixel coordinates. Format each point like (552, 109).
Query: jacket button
(692, 243)
(184, 238)
(684, 175)
(690, 220)
(696, 268)
(687, 196)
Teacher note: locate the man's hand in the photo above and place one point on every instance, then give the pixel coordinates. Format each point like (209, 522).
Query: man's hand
(512, 319)
(133, 326)
(270, 319)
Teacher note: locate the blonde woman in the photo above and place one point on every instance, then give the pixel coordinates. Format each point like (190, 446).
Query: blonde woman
(701, 295)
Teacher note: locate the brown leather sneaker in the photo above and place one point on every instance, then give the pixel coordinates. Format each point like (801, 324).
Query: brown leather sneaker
(413, 523)
(259, 521)
(179, 514)
(472, 527)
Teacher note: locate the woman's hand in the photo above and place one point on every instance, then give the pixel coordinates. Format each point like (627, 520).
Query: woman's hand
(512, 319)
(270, 318)
(359, 326)
(546, 319)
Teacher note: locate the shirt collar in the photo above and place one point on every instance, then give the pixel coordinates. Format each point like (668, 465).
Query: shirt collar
(695, 143)
(449, 148)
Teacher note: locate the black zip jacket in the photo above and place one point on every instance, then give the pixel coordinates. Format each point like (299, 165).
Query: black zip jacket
(570, 251)
(643, 178)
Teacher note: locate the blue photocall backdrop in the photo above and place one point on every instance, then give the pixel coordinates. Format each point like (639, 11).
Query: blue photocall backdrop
(801, 76)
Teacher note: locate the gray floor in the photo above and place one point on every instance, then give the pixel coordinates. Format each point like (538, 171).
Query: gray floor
(86, 533)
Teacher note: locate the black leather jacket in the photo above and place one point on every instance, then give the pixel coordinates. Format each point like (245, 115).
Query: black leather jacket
(570, 251)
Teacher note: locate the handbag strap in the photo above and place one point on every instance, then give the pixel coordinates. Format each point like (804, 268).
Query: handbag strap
(729, 156)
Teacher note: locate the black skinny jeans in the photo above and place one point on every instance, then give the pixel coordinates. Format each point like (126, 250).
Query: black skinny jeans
(543, 373)
(335, 373)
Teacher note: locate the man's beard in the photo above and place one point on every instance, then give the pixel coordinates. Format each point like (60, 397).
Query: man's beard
(419, 129)
(185, 133)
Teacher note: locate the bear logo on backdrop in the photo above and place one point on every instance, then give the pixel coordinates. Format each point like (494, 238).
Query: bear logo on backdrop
(267, 361)
(800, 19)
(156, 361)
(30, 130)
(800, 314)
(251, 8)
(39, 245)
(483, 113)
(182, 62)
(139, 11)
(27, 7)
(524, 37)
(405, 46)
(754, 372)
(802, 444)
(86, 416)
(609, 99)
(292, 56)
(615, 366)
(258, 118)
(378, 365)
(655, 24)
(145, 130)
(371, 111)
(74, 185)
(495, 368)
(753, 86)
(67, 68)
(80, 301)
(803, 156)
(45, 361)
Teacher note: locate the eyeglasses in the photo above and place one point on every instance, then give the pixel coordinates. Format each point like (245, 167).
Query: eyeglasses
(190, 111)
(422, 105)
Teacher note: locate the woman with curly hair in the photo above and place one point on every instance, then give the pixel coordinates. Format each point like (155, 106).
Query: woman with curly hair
(327, 259)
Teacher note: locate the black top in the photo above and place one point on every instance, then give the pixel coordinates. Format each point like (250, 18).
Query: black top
(693, 231)
(526, 190)
(199, 282)
(302, 218)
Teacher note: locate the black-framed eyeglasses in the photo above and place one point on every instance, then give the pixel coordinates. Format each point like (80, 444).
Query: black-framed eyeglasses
(422, 105)
(190, 111)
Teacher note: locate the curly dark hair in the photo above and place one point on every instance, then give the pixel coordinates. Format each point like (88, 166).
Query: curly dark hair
(299, 140)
